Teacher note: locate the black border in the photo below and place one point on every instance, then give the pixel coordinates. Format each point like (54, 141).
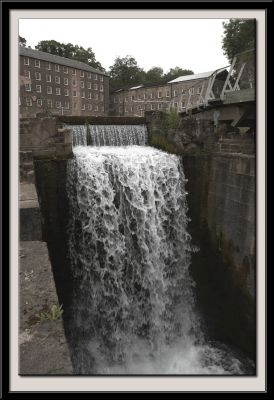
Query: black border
(6, 7)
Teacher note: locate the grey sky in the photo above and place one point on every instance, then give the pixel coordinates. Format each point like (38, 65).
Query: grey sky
(188, 43)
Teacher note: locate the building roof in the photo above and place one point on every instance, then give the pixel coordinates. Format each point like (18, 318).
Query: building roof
(191, 77)
(41, 55)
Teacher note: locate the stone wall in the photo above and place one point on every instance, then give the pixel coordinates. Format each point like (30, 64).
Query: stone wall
(222, 211)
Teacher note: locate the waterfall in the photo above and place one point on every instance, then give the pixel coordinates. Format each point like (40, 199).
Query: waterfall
(117, 135)
(130, 251)
(79, 134)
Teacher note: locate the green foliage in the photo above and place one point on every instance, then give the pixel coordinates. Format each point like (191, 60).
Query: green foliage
(52, 315)
(22, 41)
(68, 50)
(154, 74)
(172, 119)
(160, 142)
(125, 71)
(239, 36)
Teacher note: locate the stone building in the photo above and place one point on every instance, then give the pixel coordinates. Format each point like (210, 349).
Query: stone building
(180, 94)
(60, 86)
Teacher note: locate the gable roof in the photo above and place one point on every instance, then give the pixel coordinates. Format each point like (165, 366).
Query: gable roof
(41, 55)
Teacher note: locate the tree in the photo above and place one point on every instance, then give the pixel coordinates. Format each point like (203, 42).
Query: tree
(174, 73)
(22, 41)
(125, 71)
(68, 50)
(239, 36)
(154, 74)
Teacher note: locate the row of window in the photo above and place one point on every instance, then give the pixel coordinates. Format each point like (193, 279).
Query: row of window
(56, 68)
(66, 92)
(65, 81)
(49, 103)
(160, 95)
(148, 107)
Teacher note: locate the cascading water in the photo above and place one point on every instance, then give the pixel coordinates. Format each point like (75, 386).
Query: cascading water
(79, 135)
(134, 309)
(117, 135)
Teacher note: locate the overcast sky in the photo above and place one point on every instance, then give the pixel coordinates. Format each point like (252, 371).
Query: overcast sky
(194, 44)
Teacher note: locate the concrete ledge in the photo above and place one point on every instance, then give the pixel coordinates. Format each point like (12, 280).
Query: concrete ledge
(42, 345)
(30, 219)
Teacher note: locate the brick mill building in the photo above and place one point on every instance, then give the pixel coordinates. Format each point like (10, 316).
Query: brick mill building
(180, 94)
(60, 86)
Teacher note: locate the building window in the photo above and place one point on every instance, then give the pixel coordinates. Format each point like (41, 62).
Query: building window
(74, 93)
(120, 100)
(191, 90)
(74, 71)
(102, 108)
(145, 95)
(50, 103)
(38, 76)
(101, 97)
(83, 107)
(57, 79)
(101, 88)
(198, 90)
(152, 107)
(95, 108)
(58, 91)
(131, 109)
(37, 63)
(96, 96)
(167, 93)
(65, 69)
(38, 88)
(28, 87)
(39, 102)
(82, 84)
(132, 98)
(159, 94)
(95, 77)
(114, 100)
(27, 74)
(89, 95)
(174, 93)
(90, 107)
(89, 85)
(95, 86)
(26, 61)
(57, 69)
(49, 90)
(125, 99)
(159, 106)
(28, 101)
(48, 66)
(66, 105)
(83, 94)
(75, 106)
(48, 78)
(89, 75)
(66, 92)
(101, 78)
(82, 74)
(74, 82)
(58, 104)
(126, 110)
(175, 105)
(66, 81)
(151, 95)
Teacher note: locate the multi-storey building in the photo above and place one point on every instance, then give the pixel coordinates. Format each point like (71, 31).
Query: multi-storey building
(180, 94)
(61, 86)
